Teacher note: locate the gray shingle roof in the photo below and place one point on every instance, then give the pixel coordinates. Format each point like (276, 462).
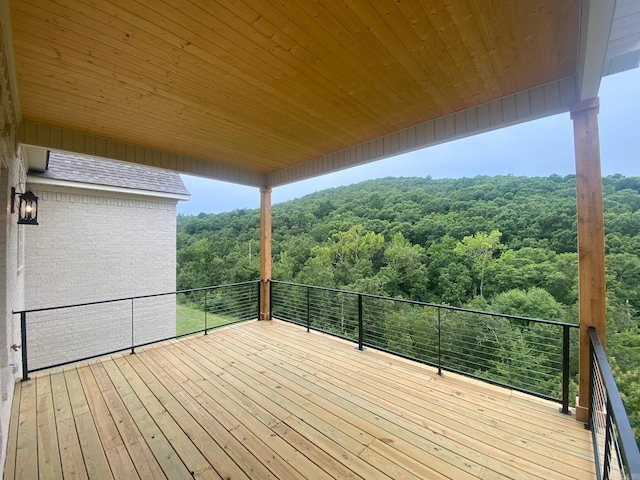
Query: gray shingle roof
(98, 171)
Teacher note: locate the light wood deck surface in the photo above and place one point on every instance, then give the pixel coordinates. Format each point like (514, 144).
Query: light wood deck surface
(268, 400)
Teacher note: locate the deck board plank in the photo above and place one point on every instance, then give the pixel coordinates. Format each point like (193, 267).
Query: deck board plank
(211, 451)
(163, 451)
(531, 421)
(26, 464)
(301, 405)
(93, 450)
(193, 458)
(251, 389)
(243, 418)
(12, 437)
(365, 413)
(269, 400)
(141, 455)
(73, 465)
(49, 464)
(227, 447)
(119, 460)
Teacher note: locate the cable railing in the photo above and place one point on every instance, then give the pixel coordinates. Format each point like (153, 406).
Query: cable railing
(525, 354)
(530, 355)
(56, 336)
(614, 446)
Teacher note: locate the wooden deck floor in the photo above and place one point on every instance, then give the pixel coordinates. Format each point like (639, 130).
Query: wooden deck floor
(269, 400)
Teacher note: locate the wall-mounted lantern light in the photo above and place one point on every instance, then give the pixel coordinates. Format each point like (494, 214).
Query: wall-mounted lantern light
(27, 207)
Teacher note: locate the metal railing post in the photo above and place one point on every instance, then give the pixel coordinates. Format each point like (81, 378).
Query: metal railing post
(439, 344)
(133, 350)
(270, 316)
(23, 340)
(259, 298)
(308, 309)
(360, 324)
(592, 364)
(565, 371)
(205, 312)
(606, 464)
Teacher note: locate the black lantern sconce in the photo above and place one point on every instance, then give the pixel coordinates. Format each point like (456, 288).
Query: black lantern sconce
(27, 207)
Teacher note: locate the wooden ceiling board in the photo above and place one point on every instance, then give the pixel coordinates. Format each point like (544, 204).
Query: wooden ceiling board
(354, 85)
(312, 81)
(409, 76)
(326, 58)
(264, 85)
(90, 65)
(127, 118)
(143, 82)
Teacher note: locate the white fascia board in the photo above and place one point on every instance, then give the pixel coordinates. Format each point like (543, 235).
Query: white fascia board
(35, 180)
(595, 29)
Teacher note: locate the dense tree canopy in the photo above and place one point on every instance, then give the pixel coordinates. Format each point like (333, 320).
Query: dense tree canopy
(505, 243)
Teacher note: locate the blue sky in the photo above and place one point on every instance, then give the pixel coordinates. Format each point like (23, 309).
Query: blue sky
(538, 148)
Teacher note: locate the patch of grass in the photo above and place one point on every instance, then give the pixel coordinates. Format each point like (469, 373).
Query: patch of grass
(190, 319)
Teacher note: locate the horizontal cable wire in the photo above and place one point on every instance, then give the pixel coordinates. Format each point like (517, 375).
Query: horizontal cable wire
(494, 347)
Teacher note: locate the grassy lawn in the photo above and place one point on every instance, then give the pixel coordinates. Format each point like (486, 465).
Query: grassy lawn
(189, 319)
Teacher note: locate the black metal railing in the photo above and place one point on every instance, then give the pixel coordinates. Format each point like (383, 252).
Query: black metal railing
(614, 446)
(525, 354)
(60, 335)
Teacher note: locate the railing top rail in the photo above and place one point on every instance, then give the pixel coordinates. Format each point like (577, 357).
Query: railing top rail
(124, 299)
(427, 304)
(616, 408)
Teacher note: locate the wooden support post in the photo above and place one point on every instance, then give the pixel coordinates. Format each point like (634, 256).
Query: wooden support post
(265, 252)
(591, 272)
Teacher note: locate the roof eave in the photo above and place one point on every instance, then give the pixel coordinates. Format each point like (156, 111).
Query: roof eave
(38, 180)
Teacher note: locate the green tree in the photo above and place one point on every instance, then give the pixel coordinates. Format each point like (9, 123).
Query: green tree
(480, 250)
(534, 303)
(318, 269)
(405, 270)
(448, 278)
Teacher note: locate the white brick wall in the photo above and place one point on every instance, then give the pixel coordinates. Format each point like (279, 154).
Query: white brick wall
(11, 291)
(91, 247)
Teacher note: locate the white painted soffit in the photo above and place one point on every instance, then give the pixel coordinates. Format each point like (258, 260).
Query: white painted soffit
(623, 50)
(35, 158)
(527, 105)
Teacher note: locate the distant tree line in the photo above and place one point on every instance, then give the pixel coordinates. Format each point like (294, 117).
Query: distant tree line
(505, 244)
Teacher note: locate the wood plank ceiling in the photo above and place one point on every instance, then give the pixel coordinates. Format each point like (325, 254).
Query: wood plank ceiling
(266, 85)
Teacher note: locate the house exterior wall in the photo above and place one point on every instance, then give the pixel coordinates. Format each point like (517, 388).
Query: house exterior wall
(91, 247)
(11, 286)
(11, 247)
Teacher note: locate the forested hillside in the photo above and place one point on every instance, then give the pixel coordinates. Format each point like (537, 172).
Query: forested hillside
(504, 244)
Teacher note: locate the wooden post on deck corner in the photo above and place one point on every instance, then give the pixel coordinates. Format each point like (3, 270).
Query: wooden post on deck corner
(591, 268)
(265, 253)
